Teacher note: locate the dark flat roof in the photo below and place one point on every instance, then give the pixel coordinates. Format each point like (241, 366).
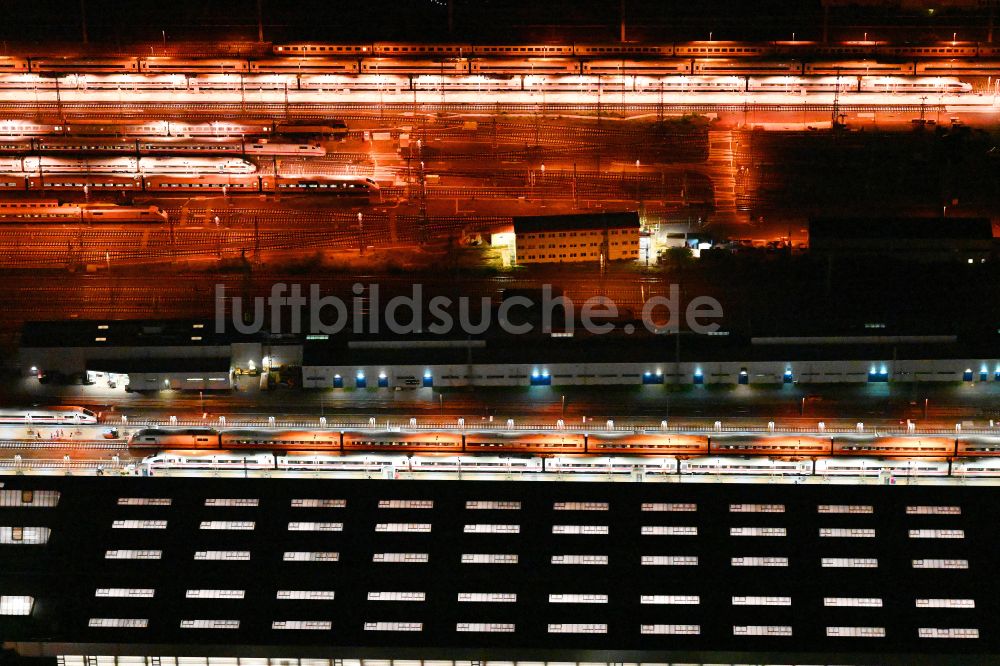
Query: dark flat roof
(155, 364)
(129, 333)
(900, 228)
(536, 223)
(64, 574)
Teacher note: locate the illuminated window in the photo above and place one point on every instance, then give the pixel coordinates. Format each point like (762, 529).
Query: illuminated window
(762, 630)
(29, 498)
(485, 627)
(232, 501)
(856, 632)
(845, 508)
(408, 558)
(493, 505)
(669, 506)
(937, 534)
(235, 525)
(578, 628)
(215, 594)
(669, 600)
(125, 592)
(133, 554)
(118, 623)
(319, 503)
(580, 559)
(406, 504)
(945, 603)
(849, 562)
(394, 626)
(940, 564)
(489, 558)
(757, 531)
(16, 605)
(847, 532)
(306, 595)
(756, 508)
(310, 556)
(210, 624)
(580, 506)
(397, 596)
(492, 529)
(580, 529)
(852, 602)
(758, 561)
(139, 525)
(938, 632)
(578, 598)
(227, 555)
(315, 527)
(762, 601)
(403, 527)
(933, 510)
(144, 501)
(302, 625)
(671, 629)
(488, 597)
(668, 530)
(670, 560)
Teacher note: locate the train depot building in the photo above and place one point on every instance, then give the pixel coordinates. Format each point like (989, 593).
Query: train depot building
(576, 238)
(129, 571)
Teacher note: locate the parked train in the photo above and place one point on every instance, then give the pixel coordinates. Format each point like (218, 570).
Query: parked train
(152, 165)
(48, 416)
(203, 146)
(393, 465)
(69, 213)
(557, 443)
(229, 183)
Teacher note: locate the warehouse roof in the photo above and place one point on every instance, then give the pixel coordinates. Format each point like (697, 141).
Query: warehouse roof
(576, 222)
(129, 333)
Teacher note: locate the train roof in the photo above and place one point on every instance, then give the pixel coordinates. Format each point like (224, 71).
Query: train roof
(62, 575)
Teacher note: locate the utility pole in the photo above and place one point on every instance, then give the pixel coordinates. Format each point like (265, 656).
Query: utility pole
(621, 30)
(83, 20)
(260, 21)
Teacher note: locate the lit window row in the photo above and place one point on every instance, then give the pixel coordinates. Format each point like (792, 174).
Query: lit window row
(406, 504)
(225, 555)
(28, 498)
(578, 628)
(305, 595)
(403, 527)
(756, 508)
(133, 554)
(580, 529)
(946, 603)
(939, 632)
(669, 506)
(125, 592)
(210, 624)
(28, 536)
(940, 564)
(670, 560)
(922, 510)
(762, 601)
(215, 594)
(16, 605)
(849, 562)
(758, 561)
(580, 506)
(671, 629)
(394, 626)
(669, 530)
(578, 598)
(145, 501)
(235, 525)
(852, 602)
(485, 627)
(232, 501)
(118, 623)
(669, 600)
(397, 596)
(319, 503)
(489, 558)
(303, 625)
(310, 556)
(762, 630)
(855, 632)
(400, 557)
(757, 531)
(580, 559)
(847, 532)
(492, 529)
(488, 597)
(139, 525)
(845, 508)
(493, 505)
(937, 534)
(315, 527)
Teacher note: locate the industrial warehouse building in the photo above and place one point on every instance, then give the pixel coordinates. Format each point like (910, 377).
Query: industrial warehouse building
(964, 240)
(205, 572)
(575, 238)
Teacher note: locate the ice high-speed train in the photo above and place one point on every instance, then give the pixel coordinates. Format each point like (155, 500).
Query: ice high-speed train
(227, 183)
(202, 146)
(558, 443)
(48, 416)
(152, 165)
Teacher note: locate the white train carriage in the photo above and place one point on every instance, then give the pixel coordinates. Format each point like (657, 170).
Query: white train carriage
(750, 466)
(48, 416)
(309, 65)
(209, 460)
(471, 464)
(313, 49)
(76, 65)
(537, 50)
(858, 68)
(26, 81)
(877, 467)
(606, 50)
(728, 67)
(493, 66)
(963, 467)
(188, 165)
(939, 50)
(343, 185)
(721, 49)
(78, 181)
(265, 147)
(409, 49)
(87, 213)
(958, 68)
(610, 465)
(642, 67)
(175, 438)
(122, 82)
(244, 82)
(166, 65)
(347, 462)
(797, 83)
(203, 182)
(405, 66)
(919, 84)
